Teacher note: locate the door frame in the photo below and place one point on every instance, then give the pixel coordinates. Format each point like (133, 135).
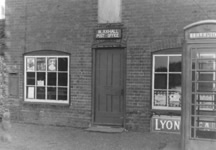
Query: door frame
(94, 85)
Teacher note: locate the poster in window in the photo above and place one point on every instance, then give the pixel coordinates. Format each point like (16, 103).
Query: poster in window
(30, 93)
(174, 99)
(206, 102)
(30, 65)
(52, 64)
(41, 64)
(160, 98)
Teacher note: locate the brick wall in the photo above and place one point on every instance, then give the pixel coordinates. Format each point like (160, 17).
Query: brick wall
(153, 25)
(68, 26)
(65, 25)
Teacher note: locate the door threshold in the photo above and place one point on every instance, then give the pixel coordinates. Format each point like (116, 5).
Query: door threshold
(106, 129)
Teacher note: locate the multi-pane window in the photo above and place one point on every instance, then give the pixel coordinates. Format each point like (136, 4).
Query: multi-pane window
(166, 82)
(47, 79)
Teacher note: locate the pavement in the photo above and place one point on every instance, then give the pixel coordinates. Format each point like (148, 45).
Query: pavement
(43, 137)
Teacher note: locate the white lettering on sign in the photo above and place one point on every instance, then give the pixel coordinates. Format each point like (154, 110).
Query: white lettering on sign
(108, 33)
(166, 124)
(202, 35)
(207, 126)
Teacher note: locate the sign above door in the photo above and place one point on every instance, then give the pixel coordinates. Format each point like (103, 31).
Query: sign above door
(108, 33)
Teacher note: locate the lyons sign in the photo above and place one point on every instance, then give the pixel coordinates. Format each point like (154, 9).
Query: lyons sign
(166, 124)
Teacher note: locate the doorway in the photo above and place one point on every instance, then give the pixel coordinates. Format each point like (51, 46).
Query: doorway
(109, 87)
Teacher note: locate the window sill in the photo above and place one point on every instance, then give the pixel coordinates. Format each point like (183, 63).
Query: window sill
(45, 103)
(166, 112)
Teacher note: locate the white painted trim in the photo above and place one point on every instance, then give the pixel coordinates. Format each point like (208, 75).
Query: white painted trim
(199, 23)
(153, 80)
(46, 100)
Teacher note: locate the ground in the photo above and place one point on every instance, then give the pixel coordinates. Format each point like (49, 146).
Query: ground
(40, 137)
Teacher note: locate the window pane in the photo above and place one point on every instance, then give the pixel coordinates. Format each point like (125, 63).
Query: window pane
(62, 79)
(160, 81)
(62, 64)
(30, 64)
(52, 64)
(207, 127)
(205, 87)
(62, 93)
(41, 64)
(174, 99)
(40, 92)
(160, 98)
(175, 64)
(175, 81)
(161, 63)
(51, 93)
(41, 78)
(30, 92)
(51, 78)
(206, 76)
(206, 64)
(30, 78)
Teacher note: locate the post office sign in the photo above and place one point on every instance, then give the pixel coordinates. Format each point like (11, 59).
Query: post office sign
(108, 33)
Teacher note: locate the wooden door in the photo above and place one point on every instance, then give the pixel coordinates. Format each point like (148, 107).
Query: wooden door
(109, 90)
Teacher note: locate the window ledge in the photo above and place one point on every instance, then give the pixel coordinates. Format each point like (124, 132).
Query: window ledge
(166, 112)
(45, 103)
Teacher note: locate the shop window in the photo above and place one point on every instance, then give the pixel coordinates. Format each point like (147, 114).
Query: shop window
(109, 11)
(46, 79)
(166, 81)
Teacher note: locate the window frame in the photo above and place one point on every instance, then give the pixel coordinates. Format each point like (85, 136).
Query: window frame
(167, 107)
(46, 78)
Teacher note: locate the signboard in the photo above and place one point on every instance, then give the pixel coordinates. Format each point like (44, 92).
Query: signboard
(108, 33)
(202, 35)
(169, 124)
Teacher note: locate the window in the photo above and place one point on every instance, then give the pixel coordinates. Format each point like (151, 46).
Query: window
(47, 79)
(109, 11)
(166, 81)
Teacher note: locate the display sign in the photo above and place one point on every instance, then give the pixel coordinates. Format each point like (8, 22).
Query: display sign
(108, 33)
(202, 35)
(169, 124)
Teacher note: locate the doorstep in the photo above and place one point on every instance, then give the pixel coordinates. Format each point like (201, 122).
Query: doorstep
(105, 129)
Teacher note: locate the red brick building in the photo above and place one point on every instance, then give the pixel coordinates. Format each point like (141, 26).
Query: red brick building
(93, 62)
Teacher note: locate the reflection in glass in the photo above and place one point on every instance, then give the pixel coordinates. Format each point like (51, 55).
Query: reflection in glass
(51, 93)
(175, 81)
(161, 63)
(30, 78)
(51, 78)
(206, 64)
(62, 93)
(160, 81)
(62, 64)
(206, 76)
(40, 92)
(205, 87)
(175, 64)
(62, 79)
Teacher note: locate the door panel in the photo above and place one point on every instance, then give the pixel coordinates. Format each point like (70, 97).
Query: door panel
(109, 87)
